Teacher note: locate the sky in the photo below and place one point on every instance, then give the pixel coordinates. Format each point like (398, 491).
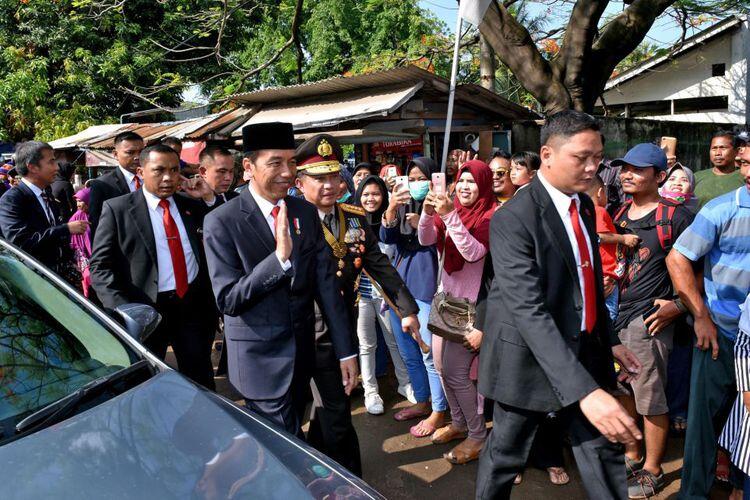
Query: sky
(665, 32)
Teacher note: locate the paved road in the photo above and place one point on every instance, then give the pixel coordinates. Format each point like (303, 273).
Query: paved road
(403, 467)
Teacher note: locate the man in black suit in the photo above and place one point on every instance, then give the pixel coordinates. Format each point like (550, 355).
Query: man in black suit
(217, 169)
(548, 342)
(269, 263)
(122, 180)
(148, 250)
(30, 216)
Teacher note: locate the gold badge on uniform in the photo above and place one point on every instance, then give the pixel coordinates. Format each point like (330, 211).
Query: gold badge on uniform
(324, 148)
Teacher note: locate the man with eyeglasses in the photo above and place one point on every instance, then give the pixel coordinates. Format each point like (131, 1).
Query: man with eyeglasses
(501, 184)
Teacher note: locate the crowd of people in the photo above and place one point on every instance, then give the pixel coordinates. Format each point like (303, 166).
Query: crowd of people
(552, 293)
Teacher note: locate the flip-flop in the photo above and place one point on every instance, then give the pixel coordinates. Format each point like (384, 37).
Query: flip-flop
(422, 429)
(447, 434)
(558, 476)
(410, 414)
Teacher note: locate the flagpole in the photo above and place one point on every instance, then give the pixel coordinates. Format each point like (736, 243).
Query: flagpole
(451, 96)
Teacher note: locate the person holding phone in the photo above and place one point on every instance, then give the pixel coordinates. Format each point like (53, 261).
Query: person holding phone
(647, 310)
(417, 265)
(459, 227)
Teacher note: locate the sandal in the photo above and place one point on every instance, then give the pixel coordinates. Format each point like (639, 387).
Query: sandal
(558, 476)
(410, 414)
(447, 434)
(458, 456)
(633, 466)
(422, 429)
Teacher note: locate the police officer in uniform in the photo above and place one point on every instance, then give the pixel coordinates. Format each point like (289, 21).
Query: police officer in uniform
(354, 249)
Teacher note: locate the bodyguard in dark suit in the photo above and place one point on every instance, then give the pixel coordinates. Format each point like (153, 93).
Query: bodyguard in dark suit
(268, 264)
(353, 248)
(148, 250)
(29, 216)
(216, 166)
(548, 343)
(122, 180)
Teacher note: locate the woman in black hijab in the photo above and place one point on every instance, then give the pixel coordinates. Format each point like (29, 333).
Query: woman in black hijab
(372, 196)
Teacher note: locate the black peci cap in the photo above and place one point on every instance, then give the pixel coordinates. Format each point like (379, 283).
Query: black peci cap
(274, 135)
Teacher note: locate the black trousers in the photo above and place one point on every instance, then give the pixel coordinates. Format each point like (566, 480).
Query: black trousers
(601, 463)
(187, 324)
(331, 429)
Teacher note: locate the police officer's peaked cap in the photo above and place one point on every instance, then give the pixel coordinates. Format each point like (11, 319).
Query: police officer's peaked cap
(319, 155)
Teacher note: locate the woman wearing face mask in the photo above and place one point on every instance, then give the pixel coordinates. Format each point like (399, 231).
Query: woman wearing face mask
(346, 187)
(460, 229)
(679, 187)
(417, 265)
(372, 195)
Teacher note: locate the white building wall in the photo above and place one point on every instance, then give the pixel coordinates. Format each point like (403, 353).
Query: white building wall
(689, 76)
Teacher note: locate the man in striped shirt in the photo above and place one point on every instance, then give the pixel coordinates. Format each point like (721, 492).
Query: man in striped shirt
(720, 235)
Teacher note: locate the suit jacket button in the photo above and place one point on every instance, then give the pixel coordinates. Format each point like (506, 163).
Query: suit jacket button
(578, 307)
(575, 336)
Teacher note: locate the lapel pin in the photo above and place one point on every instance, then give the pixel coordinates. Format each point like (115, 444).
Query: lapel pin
(187, 212)
(296, 226)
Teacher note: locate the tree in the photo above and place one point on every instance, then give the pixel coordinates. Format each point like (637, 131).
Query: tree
(590, 46)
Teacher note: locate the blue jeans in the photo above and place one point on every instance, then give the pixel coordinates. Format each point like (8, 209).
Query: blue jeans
(424, 378)
(612, 301)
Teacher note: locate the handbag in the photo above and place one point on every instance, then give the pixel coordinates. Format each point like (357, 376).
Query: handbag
(451, 317)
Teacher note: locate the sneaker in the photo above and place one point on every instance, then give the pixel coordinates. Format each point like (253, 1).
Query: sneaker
(644, 484)
(633, 466)
(374, 404)
(408, 392)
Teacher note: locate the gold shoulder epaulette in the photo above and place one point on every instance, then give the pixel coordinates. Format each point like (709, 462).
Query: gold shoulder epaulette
(352, 209)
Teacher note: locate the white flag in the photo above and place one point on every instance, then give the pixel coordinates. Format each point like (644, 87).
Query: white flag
(473, 10)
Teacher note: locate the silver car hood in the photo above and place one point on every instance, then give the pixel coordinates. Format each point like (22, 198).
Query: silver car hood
(168, 439)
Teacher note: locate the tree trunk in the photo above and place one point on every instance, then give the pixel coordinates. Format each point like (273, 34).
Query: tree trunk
(486, 64)
(576, 77)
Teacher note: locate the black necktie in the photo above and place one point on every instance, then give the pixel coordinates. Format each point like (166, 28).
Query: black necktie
(47, 209)
(328, 221)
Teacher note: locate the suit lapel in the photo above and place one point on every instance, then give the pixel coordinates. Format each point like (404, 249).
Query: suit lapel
(555, 228)
(34, 202)
(121, 182)
(139, 212)
(189, 222)
(254, 218)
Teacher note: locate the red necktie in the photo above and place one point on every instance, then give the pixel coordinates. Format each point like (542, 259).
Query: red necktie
(175, 250)
(137, 183)
(587, 267)
(275, 214)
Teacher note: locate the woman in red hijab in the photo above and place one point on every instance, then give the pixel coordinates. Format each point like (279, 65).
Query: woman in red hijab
(460, 229)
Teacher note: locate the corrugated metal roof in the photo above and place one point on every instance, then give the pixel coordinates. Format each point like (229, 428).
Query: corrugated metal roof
(102, 136)
(407, 75)
(335, 110)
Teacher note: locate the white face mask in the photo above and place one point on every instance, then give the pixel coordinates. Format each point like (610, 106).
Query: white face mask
(246, 176)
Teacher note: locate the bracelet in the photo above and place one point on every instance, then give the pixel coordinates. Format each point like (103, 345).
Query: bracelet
(390, 225)
(680, 305)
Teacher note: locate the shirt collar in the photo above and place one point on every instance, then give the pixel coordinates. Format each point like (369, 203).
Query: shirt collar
(323, 214)
(264, 205)
(559, 199)
(153, 201)
(743, 197)
(128, 176)
(34, 188)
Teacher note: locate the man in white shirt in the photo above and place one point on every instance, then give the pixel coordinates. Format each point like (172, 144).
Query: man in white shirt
(548, 342)
(122, 180)
(269, 263)
(30, 216)
(148, 250)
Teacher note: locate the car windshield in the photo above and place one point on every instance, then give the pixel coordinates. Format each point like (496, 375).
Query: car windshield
(50, 345)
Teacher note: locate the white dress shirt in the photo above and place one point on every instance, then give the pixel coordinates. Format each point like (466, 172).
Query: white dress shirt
(266, 207)
(163, 255)
(562, 204)
(38, 193)
(130, 178)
